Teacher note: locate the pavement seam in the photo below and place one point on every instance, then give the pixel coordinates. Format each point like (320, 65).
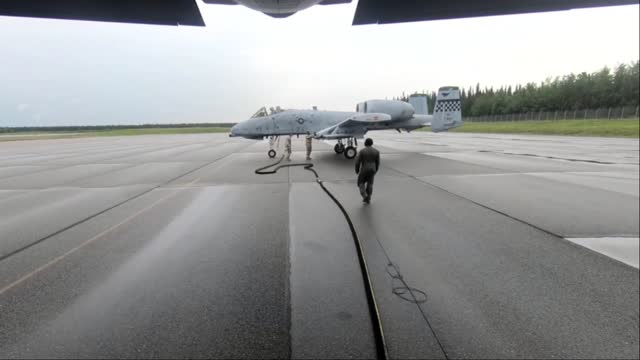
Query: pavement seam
(424, 181)
(530, 175)
(70, 166)
(87, 242)
(548, 232)
(411, 291)
(62, 166)
(35, 171)
(288, 285)
(102, 161)
(560, 158)
(25, 247)
(374, 312)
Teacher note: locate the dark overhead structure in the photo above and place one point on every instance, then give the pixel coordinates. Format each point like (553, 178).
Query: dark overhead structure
(277, 8)
(398, 11)
(154, 12)
(186, 12)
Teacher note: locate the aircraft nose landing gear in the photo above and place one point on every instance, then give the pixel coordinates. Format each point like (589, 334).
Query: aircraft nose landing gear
(272, 142)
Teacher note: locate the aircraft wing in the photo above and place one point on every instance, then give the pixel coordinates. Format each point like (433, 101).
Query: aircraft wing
(155, 12)
(186, 12)
(397, 11)
(334, 2)
(353, 126)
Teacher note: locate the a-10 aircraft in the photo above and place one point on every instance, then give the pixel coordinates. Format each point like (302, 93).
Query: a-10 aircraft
(350, 126)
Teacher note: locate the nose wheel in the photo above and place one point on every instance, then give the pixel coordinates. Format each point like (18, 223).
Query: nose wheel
(274, 141)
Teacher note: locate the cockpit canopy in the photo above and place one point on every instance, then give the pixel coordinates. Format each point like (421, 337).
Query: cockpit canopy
(260, 113)
(264, 112)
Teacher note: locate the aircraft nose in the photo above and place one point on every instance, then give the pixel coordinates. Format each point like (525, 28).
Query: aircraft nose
(234, 131)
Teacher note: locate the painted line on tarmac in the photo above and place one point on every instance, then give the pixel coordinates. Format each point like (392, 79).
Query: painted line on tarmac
(91, 240)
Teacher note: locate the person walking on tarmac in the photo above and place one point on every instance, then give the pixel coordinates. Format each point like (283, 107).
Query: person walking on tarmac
(367, 165)
(308, 144)
(287, 148)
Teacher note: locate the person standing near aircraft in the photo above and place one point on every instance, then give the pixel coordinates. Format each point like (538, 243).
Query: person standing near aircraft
(308, 141)
(367, 165)
(287, 148)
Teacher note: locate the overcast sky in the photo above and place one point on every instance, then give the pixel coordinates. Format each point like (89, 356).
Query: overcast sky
(55, 72)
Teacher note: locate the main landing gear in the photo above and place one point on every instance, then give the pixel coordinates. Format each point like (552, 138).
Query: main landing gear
(350, 151)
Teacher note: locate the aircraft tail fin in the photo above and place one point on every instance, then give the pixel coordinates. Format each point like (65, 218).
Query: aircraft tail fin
(419, 103)
(447, 113)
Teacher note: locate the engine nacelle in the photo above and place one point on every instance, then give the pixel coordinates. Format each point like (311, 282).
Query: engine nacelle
(398, 110)
(371, 117)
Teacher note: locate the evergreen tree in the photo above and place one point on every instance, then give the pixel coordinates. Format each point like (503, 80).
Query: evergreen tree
(601, 89)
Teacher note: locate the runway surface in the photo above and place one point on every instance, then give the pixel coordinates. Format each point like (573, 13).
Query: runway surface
(170, 246)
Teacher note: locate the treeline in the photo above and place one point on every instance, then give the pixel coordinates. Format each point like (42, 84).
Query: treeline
(106, 127)
(598, 90)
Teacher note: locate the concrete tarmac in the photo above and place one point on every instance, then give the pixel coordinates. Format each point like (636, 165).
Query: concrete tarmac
(171, 247)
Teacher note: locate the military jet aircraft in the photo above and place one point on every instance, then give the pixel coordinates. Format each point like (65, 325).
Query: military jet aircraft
(350, 126)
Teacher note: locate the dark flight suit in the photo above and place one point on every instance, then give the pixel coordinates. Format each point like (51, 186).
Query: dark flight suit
(367, 165)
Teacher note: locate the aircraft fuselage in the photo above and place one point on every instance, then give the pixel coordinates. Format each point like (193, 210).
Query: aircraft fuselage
(310, 122)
